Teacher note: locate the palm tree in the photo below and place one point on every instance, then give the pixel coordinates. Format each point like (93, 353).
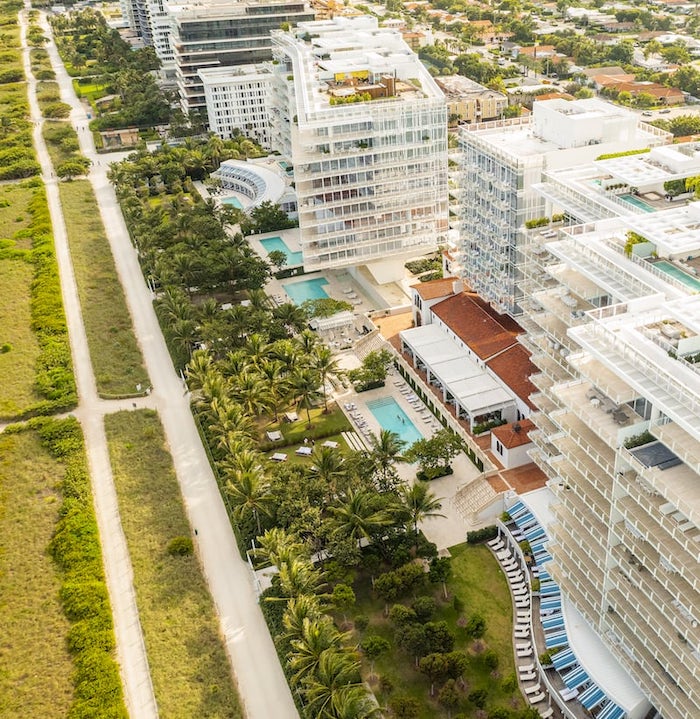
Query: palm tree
(317, 635)
(329, 466)
(419, 503)
(257, 347)
(274, 378)
(199, 368)
(291, 315)
(304, 386)
(305, 606)
(306, 341)
(358, 515)
(298, 576)
(278, 546)
(250, 391)
(249, 494)
(228, 417)
(323, 362)
(385, 453)
(337, 672)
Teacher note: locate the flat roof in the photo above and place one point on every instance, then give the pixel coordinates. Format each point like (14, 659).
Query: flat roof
(473, 387)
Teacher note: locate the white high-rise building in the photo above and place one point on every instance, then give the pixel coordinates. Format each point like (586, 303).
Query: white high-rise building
(218, 33)
(151, 21)
(237, 99)
(365, 127)
(612, 315)
(502, 163)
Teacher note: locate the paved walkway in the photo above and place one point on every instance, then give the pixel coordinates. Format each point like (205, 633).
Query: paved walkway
(262, 686)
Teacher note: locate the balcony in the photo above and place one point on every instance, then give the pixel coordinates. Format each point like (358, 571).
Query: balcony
(679, 441)
(588, 442)
(596, 411)
(583, 504)
(624, 640)
(679, 485)
(665, 646)
(598, 374)
(585, 463)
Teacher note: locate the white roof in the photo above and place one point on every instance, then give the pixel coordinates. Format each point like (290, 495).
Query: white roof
(476, 390)
(600, 664)
(339, 319)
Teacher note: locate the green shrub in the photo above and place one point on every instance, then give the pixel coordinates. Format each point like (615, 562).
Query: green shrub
(56, 110)
(361, 622)
(180, 547)
(482, 535)
(6, 347)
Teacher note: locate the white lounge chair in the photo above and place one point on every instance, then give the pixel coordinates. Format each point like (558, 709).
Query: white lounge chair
(546, 713)
(537, 698)
(526, 668)
(528, 677)
(522, 653)
(532, 689)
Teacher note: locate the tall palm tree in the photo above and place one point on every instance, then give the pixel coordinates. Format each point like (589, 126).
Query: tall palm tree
(385, 452)
(228, 417)
(337, 672)
(419, 502)
(249, 494)
(306, 341)
(317, 635)
(304, 384)
(274, 378)
(250, 392)
(323, 362)
(329, 466)
(257, 347)
(279, 546)
(199, 368)
(358, 516)
(298, 576)
(291, 315)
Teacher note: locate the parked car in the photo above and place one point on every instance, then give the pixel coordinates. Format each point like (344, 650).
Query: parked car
(647, 113)
(664, 112)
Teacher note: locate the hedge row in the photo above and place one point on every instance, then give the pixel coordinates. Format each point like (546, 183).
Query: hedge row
(75, 547)
(482, 535)
(17, 159)
(54, 372)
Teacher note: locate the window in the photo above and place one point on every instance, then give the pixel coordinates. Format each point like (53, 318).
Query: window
(499, 448)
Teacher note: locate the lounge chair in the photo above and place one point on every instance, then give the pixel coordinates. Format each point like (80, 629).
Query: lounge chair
(523, 653)
(537, 698)
(526, 668)
(304, 451)
(279, 457)
(546, 713)
(532, 689)
(528, 677)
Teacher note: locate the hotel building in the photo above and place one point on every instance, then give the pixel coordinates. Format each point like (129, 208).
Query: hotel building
(502, 163)
(612, 314)
(365, 127)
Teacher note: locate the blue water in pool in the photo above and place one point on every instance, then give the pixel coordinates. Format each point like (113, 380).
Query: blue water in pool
(632, 200)
(389, 414)
(684, 277)
(307, 290)
(294, 259)
(233, 201)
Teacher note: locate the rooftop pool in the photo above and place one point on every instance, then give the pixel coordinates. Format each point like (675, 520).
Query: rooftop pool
(677, 273)
(389, 414)
(271, 244)
(299, 292)
(634, 200)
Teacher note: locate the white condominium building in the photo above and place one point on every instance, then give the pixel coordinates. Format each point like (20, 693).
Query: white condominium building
(217, 33)
(365, 127)
(503, 161)
(612, 315)
(237, 99)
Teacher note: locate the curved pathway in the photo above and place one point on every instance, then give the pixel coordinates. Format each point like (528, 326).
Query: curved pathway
(261, 683)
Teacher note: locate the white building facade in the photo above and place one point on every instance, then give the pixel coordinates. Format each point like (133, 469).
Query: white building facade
(237, 99)
(502, 162)
(365, 127)
(615, 332)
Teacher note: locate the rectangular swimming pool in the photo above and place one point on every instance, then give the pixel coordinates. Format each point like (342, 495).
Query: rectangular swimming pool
(634, 200)
(294, 259)
(299, 292)
(670, 269)
(389, 414)
(232, 201)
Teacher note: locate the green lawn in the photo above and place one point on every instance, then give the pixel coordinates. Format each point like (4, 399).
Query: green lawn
(14, 215)
(61, 141)
(189, 668)
(479, 584)
(36, 675)
(116, 357)
(323, 426)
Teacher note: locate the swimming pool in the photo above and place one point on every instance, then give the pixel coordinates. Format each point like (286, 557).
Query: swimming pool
(389, 414)
(634, 200)
(294, 259)
(233, 201)
(670, 269)
(307, 290)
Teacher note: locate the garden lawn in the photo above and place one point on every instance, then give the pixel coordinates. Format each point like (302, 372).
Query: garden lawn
(189, 669)
(292, 458)
(479, 584)
(116, 357)
(36, 676)
(323, 426)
